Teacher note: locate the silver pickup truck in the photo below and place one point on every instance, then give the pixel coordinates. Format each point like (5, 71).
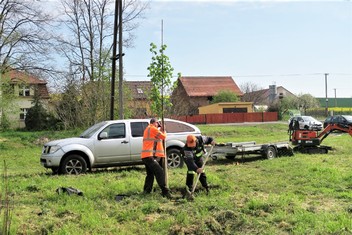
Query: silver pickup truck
(112, 143)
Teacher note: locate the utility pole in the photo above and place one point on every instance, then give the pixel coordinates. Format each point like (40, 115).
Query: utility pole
(120, 62)
(114, 58)
(335, 97)
(326, 95)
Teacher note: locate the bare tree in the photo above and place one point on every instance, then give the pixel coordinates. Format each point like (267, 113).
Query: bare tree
(87, 47)
(25, 44)
(252, 93)
(25, 41)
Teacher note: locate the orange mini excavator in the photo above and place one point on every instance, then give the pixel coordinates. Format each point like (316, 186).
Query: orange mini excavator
(309, 141)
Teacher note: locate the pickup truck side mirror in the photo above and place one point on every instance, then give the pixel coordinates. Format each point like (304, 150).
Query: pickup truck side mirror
(103, 135)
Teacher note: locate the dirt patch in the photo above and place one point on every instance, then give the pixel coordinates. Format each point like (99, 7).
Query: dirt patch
(178, 229)
(41, 140)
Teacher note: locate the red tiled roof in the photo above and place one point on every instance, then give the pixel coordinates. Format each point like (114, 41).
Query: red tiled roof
(209, 86)
(16, 76)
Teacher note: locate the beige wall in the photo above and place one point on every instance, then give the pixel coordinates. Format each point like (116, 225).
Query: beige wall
(218, 107)
(22, 102)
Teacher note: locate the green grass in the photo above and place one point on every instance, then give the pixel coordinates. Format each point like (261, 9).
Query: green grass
(303, 194)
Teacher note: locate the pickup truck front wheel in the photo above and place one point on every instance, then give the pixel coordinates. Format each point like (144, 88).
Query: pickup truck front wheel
(174, 158)
(73, 165)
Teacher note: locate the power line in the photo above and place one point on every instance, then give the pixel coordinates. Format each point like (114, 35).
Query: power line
(261, 75)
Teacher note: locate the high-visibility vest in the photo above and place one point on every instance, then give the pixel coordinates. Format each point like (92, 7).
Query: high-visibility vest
(152, 142)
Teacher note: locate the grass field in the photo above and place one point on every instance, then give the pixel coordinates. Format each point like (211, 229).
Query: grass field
(303, 194)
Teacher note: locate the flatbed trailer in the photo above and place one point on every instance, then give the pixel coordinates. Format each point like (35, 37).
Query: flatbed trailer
(268, 151)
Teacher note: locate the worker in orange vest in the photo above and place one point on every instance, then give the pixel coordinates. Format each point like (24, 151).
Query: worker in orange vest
(152, 153)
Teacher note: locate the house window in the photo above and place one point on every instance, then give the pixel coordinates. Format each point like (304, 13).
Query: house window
(139, 91)
(24, 91)
(23, 113)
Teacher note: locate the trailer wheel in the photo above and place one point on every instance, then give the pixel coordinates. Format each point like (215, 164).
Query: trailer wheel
(270, 152)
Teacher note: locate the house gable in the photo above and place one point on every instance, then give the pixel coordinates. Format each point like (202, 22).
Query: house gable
(267, 96)
(139, 93)
(26, 81)
(193, 92)
(139, 89)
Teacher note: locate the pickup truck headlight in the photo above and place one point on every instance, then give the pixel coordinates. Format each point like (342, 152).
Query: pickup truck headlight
(50, 149)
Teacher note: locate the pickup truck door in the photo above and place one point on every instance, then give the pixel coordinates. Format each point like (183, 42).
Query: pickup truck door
(116, 147)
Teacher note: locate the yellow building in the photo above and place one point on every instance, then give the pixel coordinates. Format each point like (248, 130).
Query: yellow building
(227, 107)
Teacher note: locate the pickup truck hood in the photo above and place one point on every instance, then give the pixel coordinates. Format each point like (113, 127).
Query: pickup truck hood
(63, 142)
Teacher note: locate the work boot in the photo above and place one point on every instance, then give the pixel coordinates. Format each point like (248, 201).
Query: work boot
(168, 195)
(207, 189)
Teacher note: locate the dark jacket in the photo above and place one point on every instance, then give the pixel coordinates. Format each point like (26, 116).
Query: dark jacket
(193, 156)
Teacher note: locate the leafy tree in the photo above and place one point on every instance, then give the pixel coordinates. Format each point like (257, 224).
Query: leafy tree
(8, 106)
(225, 96)
(307, 101)
(302, 101)
(68, 107)
(160, 73)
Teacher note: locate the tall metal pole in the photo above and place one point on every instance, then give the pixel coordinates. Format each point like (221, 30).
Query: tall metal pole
(120, 62)
(162, 71)
(113, 69)
(326, 95)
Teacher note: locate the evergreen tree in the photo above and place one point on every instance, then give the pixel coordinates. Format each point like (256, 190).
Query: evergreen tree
(37, 117)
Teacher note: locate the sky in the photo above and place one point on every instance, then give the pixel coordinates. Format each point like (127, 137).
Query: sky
(287, 43)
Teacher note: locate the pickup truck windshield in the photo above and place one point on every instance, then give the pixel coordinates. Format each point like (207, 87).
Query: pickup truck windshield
(91, 130)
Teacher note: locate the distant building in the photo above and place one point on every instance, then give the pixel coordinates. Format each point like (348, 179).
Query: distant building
(227, 107)
(139, 92)
(267, 97)
(193, 92)
(23, 86)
